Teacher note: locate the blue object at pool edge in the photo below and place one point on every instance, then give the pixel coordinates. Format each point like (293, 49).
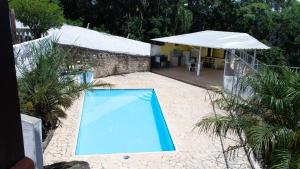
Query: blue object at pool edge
(122, 121)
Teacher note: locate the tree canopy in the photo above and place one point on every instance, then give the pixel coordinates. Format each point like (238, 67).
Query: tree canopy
(38, 15)
(275, 22)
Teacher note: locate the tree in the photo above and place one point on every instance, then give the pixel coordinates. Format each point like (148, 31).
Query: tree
(183, 17)
(286, 32)
(273, 56)
(216, 15)
(269, 118)
(38, 15)
(275, 22)
(46, 83)
(257, 19)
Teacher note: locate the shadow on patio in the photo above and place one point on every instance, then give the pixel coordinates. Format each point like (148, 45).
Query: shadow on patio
(209, 78)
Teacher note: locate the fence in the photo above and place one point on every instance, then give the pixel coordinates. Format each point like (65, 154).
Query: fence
(22, 52)
(239, 63)
(23, 35)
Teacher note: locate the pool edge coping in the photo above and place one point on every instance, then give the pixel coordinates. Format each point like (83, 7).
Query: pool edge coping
(123, 154)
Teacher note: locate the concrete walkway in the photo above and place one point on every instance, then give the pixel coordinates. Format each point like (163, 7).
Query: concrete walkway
(182, 105)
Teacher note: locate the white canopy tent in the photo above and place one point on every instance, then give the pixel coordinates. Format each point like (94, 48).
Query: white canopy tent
(215, 39)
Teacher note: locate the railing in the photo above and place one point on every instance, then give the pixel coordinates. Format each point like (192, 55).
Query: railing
(239, 64)
(295, 69)
(23, 51)
(23, 35)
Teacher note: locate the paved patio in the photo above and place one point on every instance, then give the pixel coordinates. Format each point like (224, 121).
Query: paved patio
(182, 105)
(209, 78)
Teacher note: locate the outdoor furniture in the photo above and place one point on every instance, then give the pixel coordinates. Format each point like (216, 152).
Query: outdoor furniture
(216, 40)
(208, 62)
(159, 61)
(191, 67)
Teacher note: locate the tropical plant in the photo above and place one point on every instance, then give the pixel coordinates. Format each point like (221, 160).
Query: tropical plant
(46, 83)
(269, 118)
(38, 15)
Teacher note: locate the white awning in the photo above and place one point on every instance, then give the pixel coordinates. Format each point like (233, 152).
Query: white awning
(216, 39)
(82, 37)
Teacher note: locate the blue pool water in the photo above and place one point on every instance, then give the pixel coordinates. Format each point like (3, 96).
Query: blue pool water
(122, 121)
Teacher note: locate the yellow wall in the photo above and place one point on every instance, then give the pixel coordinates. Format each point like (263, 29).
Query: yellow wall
(218, 53)
(168, 48)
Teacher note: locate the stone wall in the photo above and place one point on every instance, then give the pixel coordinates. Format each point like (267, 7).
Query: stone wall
(107, 63)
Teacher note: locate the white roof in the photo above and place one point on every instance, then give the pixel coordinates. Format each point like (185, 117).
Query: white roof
(82, 37)
(216, 39)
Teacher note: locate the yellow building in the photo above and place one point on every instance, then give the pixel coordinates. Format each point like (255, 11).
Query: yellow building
(182, 54)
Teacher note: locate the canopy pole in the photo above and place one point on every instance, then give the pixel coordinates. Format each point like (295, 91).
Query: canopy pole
(254, 58)
(199, 61)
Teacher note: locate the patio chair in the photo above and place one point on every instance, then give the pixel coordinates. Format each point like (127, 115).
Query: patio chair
(191, 65)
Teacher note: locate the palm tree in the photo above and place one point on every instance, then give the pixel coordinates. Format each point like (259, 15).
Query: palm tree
(46, 83)
(269, 118)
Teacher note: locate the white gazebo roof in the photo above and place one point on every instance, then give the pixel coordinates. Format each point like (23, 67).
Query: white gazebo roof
(216, 39)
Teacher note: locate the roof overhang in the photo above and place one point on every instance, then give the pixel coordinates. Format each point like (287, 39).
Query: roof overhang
(216, 39)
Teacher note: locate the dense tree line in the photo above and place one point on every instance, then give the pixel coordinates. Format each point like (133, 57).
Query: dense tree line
(275, 22)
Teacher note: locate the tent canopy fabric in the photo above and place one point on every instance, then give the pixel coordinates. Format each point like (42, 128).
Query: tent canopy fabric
(216, 39)
(86, 38)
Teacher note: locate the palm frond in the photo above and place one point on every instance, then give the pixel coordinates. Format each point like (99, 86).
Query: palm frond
(282, 159)
(266, 138)
(47, 81)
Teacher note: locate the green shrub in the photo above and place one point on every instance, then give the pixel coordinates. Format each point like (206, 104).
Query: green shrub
(38, 15)
(77, 22)
(46, 84)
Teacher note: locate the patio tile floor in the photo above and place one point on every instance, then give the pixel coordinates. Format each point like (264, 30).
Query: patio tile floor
(182, 105)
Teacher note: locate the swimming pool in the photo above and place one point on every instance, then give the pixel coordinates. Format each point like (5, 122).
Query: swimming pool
(122, 121)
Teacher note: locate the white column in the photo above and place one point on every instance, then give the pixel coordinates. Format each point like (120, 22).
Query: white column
(199, 61)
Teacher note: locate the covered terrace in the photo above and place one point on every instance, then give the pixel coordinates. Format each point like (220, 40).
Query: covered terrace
(199, 58)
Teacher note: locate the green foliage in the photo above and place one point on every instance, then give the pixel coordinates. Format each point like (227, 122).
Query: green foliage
(101, 29)
(46, 85)
(38, 15)
(269, 117)
(257, 18)
(183, 18)
(289, 31)
(273, 56)
(77, 22)
(276, 22)
(133, 28)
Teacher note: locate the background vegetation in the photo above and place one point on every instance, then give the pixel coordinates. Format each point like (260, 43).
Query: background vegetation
(276, 22)
(38, 15)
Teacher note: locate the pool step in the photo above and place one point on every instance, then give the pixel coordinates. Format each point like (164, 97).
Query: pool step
(146, 96)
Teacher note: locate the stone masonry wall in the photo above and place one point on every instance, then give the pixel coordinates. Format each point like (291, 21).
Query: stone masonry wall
(107, 63)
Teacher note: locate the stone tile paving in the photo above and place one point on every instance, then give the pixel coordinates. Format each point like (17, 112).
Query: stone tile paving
(182, 105)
